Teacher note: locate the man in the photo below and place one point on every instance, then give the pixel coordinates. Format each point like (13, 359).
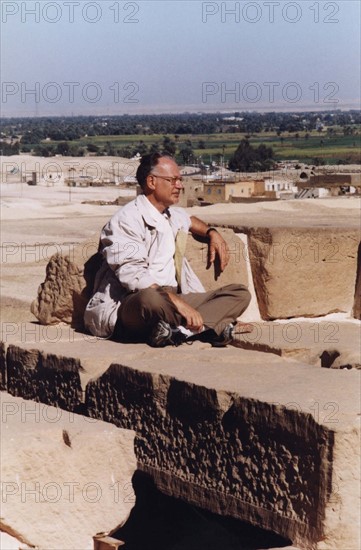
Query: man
(145, 289)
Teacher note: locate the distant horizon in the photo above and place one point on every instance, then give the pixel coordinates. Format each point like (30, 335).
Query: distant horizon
(190, 112)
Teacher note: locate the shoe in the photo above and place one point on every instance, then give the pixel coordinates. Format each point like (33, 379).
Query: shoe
(229, 334)
(164, 335)
(223, 339)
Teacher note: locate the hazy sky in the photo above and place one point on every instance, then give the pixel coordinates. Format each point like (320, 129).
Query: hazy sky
(110, 57)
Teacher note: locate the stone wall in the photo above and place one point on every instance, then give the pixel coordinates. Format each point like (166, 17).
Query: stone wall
(239, 457)
(64, 477)
(222, 431)
(303, 272)
(51, 379)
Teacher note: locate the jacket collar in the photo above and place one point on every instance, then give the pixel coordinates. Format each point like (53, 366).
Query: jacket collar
(150, 214)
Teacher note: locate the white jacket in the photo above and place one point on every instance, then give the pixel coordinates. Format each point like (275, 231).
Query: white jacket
(129, 243)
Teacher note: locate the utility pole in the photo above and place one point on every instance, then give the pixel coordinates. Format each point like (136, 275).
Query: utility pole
(223, 148)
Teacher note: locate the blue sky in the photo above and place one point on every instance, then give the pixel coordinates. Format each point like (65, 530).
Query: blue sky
(110, 57)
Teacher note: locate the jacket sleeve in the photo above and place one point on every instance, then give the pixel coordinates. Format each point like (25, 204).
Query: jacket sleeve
(123, 247)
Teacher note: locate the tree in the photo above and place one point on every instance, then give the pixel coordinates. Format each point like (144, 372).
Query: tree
(92, 148)
(109, 149)
(169, 146)
(249, 159)
(186, 153)
(126, 152)
(318, 161)
(32, 137)
(140, 148)
(62, 148)
(8, 149)
(43, 151)
(154, 148)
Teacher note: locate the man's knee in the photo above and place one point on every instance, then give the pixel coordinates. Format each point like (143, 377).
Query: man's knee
(239, 290)
(241, 294)
(246, 295)
(151, 299)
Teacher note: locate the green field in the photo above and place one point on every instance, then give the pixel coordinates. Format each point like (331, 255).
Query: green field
(330, 149)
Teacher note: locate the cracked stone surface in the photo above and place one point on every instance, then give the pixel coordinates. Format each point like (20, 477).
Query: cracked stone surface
(330, 342)
(64, 477)
(68, 284)
(316, 267)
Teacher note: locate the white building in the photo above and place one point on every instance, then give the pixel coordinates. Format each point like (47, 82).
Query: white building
(280, 186)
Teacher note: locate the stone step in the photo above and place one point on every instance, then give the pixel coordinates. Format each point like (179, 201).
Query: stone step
(64, 477)
(331, 342)
(263, 438)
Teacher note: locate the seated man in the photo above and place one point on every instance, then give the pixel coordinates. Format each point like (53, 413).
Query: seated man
(145, 289)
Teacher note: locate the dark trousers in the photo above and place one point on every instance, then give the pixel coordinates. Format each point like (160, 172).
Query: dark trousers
(141, 310)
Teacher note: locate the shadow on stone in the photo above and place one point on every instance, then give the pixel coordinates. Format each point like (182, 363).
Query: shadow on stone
(357, 302)
(80, 301)
(165, 523)
(328, 358)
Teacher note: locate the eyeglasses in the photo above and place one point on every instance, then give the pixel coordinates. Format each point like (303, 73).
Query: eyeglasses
(173, 180)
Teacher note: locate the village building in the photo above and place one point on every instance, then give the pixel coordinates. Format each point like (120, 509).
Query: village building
(280, 187)
(225, 191)
(325, 184)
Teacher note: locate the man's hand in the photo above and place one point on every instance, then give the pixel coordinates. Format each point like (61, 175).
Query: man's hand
(192, 317)
(218, 246)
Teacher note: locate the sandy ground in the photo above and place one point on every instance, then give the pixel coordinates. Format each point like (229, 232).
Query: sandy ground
(37, 222)
(11, 543)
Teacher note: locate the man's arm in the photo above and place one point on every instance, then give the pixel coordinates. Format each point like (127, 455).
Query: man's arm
(217, 245)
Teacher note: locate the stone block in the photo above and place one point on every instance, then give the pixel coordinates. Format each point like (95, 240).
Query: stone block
(65, 477)
(303, 272)
(211, 277)
(267, 461)
(333, 343)
(260, 438)
(68, 284)
(54, 380)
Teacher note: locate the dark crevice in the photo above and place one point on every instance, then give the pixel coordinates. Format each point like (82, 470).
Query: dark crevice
(328, 358)
(160, 522)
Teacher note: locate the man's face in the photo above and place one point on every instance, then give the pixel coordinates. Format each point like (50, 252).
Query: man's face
(165, 184)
